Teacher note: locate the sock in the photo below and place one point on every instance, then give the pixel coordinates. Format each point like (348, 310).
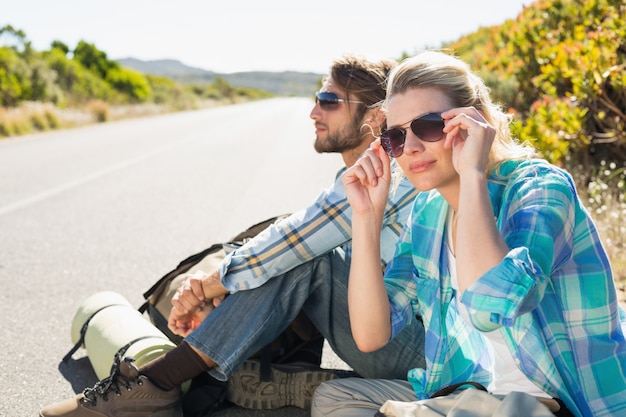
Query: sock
(175, 367)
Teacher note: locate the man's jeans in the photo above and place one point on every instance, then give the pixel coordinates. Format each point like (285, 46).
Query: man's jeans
(246, 321)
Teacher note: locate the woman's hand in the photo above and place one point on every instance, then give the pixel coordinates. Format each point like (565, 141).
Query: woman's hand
(367, 182)
(470, 136)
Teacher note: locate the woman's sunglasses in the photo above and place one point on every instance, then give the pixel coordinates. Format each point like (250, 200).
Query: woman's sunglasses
(330, 101)
(428, 128)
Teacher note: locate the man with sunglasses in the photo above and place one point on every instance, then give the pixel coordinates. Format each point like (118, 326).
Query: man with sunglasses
(298, 264)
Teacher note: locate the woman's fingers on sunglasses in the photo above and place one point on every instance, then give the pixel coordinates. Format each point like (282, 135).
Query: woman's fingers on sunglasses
(455, 132)
(470, 112)
(378, 157)
(464, 126)
(458, 124)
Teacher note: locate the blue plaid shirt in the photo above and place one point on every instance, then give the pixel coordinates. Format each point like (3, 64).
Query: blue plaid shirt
(552, 297)
(314, 231)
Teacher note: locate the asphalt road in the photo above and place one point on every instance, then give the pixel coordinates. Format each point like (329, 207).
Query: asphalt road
(116, 206)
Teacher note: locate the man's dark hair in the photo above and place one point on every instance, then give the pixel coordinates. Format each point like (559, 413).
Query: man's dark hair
(362, 80)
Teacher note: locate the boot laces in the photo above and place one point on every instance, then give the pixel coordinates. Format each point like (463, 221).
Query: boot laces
(112, 384)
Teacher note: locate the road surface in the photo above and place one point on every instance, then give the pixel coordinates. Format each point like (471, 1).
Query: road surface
(115, 206)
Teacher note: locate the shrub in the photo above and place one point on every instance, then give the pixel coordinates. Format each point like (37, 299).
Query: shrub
(568, 59)
(80, 84)
(130, 83)
(14, 77)
(99, 109)
(15, 121)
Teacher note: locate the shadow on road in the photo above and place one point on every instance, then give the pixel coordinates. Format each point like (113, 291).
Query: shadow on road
(79, 373)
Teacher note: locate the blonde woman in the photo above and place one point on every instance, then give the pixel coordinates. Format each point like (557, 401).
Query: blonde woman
(499, 258)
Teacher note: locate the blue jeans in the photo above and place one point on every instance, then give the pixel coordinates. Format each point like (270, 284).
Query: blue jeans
(246, 321)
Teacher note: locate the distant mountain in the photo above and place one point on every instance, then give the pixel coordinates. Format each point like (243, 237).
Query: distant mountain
(288, 83)
(166, 67)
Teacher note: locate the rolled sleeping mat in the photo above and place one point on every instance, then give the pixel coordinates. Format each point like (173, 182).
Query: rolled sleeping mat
(107, 325)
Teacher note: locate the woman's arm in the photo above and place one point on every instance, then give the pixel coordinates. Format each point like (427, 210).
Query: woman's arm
(478, 244)
(367, 187)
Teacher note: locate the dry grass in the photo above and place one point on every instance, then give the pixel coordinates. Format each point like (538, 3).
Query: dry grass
(32, 117)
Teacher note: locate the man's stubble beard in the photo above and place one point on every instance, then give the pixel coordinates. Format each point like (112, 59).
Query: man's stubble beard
(345, 139)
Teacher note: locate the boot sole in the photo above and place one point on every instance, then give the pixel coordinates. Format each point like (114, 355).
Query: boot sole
(288, 386)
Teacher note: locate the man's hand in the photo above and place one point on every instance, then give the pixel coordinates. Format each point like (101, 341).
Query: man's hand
(197, 290)
(184, 323)
(196, 297)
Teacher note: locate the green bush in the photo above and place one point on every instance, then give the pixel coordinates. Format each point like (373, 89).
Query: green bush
(43, 85)
(80, 84)
(130, 83)
(567, 61)
(162, 88)
(14, 77)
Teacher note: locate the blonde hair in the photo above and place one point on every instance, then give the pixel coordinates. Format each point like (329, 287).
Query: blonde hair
(454, 78)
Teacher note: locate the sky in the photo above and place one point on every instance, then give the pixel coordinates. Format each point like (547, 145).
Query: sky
(254, 35)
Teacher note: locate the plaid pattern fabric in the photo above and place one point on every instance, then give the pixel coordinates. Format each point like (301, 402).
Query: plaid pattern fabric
(314, 231)
(553, 297)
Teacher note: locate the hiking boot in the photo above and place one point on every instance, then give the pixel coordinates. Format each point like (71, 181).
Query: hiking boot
(124, 393)
(287, 385)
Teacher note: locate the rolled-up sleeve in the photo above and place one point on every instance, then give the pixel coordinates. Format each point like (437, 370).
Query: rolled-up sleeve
(537, 221)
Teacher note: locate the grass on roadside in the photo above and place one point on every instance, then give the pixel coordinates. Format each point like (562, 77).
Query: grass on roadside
(33, 117)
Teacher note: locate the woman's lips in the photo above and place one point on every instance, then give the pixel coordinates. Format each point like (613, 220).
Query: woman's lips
(420, 166)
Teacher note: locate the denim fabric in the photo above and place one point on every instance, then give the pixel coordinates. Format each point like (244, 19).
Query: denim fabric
(248, 320)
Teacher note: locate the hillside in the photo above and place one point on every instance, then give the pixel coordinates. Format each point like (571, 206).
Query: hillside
(287, 83)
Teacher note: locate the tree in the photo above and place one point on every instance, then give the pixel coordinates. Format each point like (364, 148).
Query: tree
(93, 59)
(78, 84)
(19, 38)
(60, 46)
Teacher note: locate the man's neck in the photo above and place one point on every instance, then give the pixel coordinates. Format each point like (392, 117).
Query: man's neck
(352, 155)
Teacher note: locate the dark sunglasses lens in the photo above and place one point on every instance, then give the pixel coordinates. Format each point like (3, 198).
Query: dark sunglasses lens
(327, 101)
(328, 105)
(428, 128)
(392, 141)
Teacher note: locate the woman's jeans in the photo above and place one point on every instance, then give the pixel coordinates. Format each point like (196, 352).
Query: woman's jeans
(246, 321)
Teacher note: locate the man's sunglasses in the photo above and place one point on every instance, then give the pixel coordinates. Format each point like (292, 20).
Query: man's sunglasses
(330, 101)
(428, 128)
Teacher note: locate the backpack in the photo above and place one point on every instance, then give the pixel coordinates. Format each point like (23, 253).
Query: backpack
(300, 341)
